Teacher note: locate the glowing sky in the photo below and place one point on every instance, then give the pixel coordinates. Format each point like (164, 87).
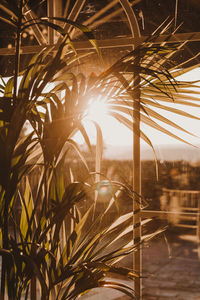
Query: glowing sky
(115, 133)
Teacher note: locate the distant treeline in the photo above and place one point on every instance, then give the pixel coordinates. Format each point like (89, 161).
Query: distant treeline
(173, 175)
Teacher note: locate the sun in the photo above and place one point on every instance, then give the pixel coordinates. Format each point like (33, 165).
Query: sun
(97, 111)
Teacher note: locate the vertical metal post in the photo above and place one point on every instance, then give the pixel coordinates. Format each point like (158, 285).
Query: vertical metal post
(58, 8)
(58, 12)
(54, 9)
(137, 231)
(198, 226)
(50, 14)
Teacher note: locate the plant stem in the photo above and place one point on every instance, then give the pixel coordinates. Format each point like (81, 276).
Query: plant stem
(5, 246)
(5, 261)
(3, 276)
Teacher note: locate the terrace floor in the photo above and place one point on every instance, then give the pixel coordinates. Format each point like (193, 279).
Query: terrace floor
(170, 266)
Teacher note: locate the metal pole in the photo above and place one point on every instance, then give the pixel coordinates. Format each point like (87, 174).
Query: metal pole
(50, 14)
(137, 232)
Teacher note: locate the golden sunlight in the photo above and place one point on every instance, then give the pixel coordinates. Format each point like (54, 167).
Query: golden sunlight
(97, 110)
(114, 133)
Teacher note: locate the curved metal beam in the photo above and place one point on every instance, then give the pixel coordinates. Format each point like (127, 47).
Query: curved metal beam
(73, 15)
(135, 30)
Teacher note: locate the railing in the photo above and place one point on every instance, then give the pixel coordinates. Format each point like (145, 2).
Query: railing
(181, 208)
(180, 202)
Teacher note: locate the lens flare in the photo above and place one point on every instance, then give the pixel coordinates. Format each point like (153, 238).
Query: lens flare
(104, 188)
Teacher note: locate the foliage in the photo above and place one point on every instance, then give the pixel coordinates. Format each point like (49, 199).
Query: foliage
(50, 241)
(67, 259)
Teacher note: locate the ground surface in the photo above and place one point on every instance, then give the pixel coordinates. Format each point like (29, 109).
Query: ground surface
(171, 269)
